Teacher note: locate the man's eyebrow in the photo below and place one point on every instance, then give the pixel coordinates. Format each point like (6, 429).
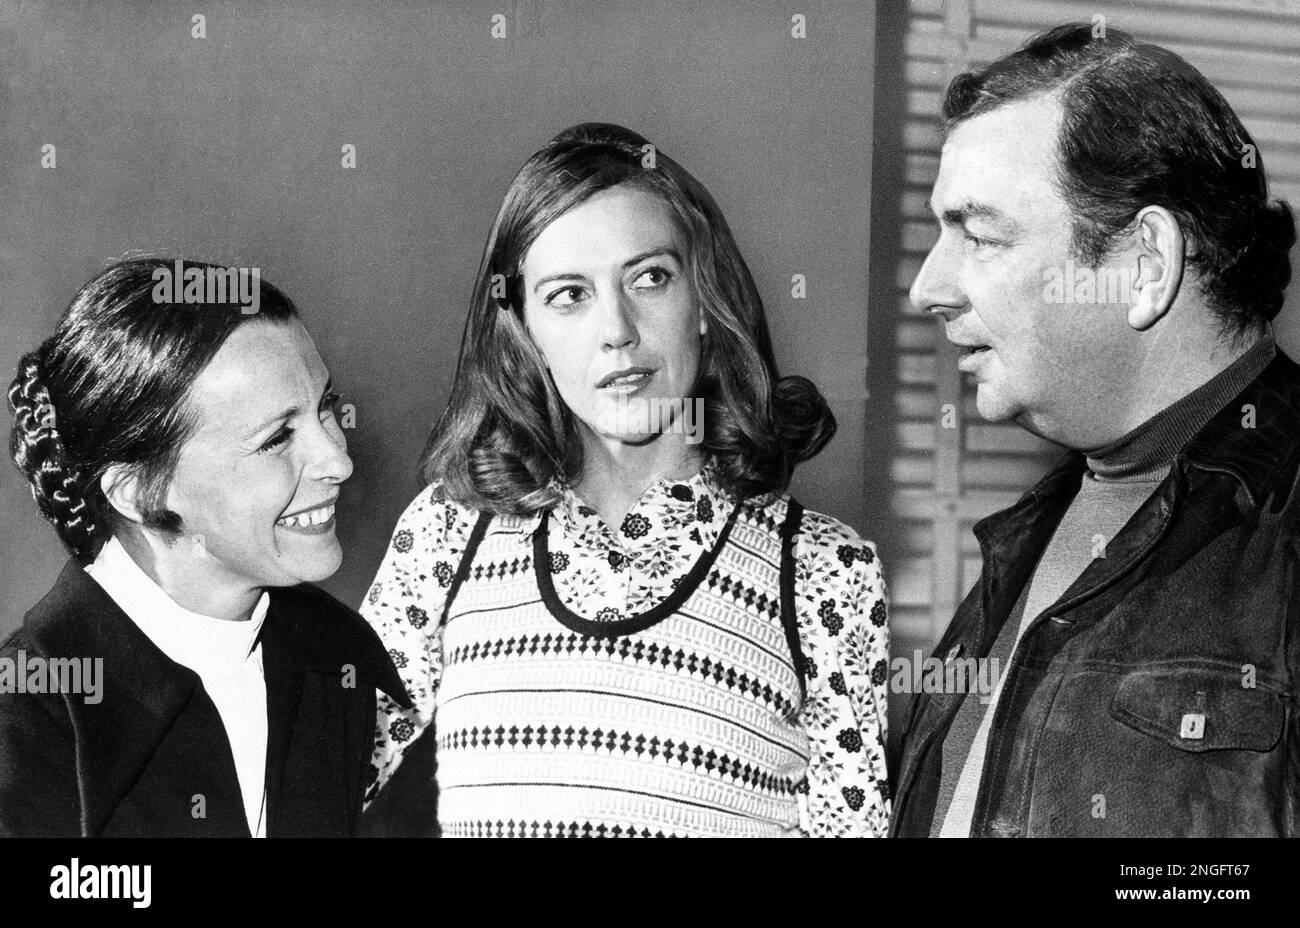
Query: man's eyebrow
(292, 410)
(967, 210)
(660, 250)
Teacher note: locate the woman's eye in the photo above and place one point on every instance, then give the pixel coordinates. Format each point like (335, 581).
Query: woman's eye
(976, 242)
(565, 296)
(276, 440)
(652, 277)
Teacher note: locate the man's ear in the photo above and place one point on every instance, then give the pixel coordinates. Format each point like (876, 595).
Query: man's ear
(1160, 262)
(121, 486)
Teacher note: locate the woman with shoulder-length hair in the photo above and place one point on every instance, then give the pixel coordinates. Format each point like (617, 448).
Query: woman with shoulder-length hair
(178, 430)
(607, 610)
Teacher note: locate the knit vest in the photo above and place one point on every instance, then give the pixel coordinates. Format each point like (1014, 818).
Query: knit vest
(679, 721)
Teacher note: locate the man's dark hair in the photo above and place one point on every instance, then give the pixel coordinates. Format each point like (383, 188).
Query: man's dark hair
(1142, 127)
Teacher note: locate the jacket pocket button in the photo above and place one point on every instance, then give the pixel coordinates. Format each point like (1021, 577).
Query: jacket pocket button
(1193, 726)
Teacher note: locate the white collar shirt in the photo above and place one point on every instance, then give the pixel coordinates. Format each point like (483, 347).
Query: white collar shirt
(227, 656)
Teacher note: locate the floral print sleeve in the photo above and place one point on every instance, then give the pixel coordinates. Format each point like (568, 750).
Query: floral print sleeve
(404, 606)
(843, 629)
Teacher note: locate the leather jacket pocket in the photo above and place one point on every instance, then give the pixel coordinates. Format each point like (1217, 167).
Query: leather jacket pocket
(1200, 708)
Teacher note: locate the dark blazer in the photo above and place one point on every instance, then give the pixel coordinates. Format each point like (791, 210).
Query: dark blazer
(1160, 695)
(152, 758)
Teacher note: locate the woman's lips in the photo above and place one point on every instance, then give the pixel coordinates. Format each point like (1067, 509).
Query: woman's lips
(626, 384)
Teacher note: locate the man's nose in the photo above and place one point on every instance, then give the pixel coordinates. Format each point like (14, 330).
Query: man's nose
(617, 322)
(936, 288)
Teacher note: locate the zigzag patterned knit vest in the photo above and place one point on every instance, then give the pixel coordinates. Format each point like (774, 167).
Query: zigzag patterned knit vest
(679, 721)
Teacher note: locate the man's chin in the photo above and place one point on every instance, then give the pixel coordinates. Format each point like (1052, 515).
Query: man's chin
(993, 408)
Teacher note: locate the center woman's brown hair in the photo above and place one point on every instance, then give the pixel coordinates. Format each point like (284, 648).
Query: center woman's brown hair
(506, 437)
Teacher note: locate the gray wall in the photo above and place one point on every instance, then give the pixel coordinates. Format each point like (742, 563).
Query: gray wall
(228, 148)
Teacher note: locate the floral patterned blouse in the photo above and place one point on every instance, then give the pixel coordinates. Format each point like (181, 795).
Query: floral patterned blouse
(606, 574)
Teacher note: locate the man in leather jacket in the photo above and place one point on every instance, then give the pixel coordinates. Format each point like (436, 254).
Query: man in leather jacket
(1110, 263)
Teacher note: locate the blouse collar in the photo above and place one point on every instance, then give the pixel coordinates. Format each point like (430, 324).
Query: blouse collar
(698, 505)
(199, 642)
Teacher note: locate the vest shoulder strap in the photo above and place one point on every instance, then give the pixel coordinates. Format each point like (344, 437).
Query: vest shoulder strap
(466, 561)
(789, 617)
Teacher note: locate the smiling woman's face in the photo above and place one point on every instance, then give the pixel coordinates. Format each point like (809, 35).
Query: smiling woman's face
(255, 485)
(609, 304)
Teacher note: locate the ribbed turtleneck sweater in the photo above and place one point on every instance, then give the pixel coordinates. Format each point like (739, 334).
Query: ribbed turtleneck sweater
(1120, 477)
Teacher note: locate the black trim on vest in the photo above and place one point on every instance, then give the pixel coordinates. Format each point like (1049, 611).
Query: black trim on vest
(466, 561)
(637, 623)
(789, 618)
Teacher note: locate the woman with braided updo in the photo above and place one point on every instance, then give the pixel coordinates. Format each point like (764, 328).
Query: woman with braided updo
(181, 438)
